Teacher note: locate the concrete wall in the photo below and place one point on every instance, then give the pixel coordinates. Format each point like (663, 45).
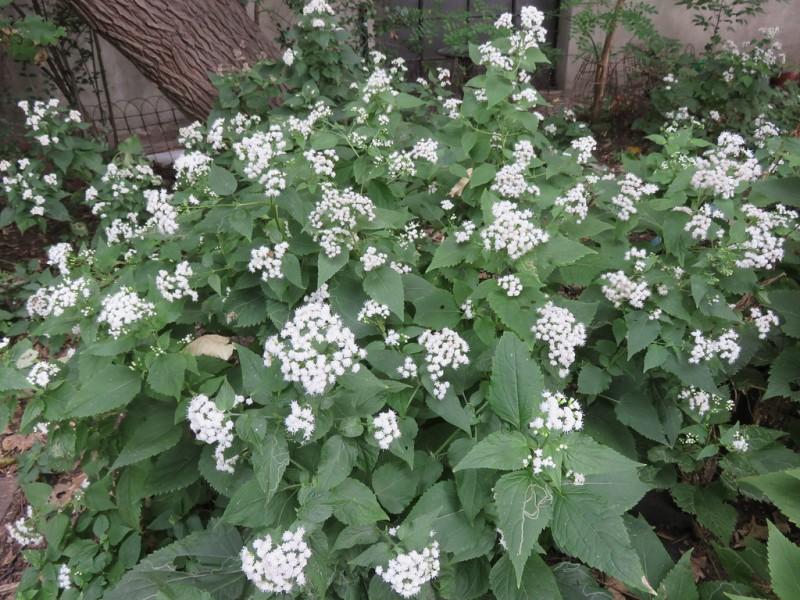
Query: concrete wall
(676, 22)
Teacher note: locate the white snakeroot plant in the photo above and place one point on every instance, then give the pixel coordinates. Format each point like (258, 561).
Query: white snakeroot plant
(64, 577)
(726, 166)
(559, 413)
(22, 530)
(373, 311)
(123, 309)
(725, 346)
(314, 347)
(336, 216)
(174, 286)
(42, 373)
(443, 349)
(512, 231)
(268, 261)
(510, 284)
(407, 572)
(386, 429)
(560, 330)
(212, 426)
(301, 419)
(619, 288)
(277, 568)
(575, 202)
(372, 259)
(764, 320)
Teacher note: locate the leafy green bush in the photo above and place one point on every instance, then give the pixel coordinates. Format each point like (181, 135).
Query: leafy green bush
(404, 342)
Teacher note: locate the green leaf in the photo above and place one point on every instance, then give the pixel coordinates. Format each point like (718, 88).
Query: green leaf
(784, 565)
(524, 508)
(537, 581)
(174, 470)
(584, 527)
(11, 379)
(385, 285)
(166, 374)
(270, 459)
(221, 181)
(708, 505)
(114, 389)
(355, 504)
(679, 582)
(655, 559)
(787, 304)
(642, 331)
(593, 380)
(328, 267)
(257, 377)
(154, 435)
(448, 254)
(502, 450)
(782, 489)
(482, 174)
(215, 567)
(395, 486)
(336, 461)
(247, 506)
(516, 381)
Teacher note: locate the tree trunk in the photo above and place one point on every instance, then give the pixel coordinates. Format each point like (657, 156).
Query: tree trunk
(178, 43)
(601, 70)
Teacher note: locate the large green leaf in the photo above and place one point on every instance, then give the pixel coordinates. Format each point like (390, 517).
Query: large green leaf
(356, 504)
(584, 527)
(270, 459)
(211, 560)
(537, 582)
(783, 490)
(524, 508)
(385, 285)
(112, 390)
(154, 435)
(516, 383)
(503, 450)
(784, 565)
(679, 582)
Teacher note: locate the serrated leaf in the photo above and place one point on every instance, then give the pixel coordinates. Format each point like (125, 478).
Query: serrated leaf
(787, 304)
(642, 331)
(593, 380)
(270, 460)
(166, 374)
(174, 470)
(115, 389)
(356, 504)
(784, 565)
(221, 181)
(448, 254)
(385, 285)
(516, 381)
(679, 582)
(537, 582)
(502, 450)
(524, 509)
(337, 460)
(154, 435)
(782, 489)
(585, 528)
(395, 486)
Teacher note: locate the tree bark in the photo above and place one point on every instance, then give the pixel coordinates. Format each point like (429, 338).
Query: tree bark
(178, 43)
(601, 70)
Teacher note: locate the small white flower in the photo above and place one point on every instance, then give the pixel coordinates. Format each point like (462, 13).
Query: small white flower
(408, 572)
(386, 428)
(300, 419)
(280, 568)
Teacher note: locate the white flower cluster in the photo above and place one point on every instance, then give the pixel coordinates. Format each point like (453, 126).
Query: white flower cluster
(723, 168)
(408, 370)
(55, 299)
(122, 309)
(64, 574)
(280, 568)
(764, 321)
(468, 309)
(509, 182)
(443, 349)
(726, 346)
(407, 573)
(631, 190)
(300, 419)
(512, 231)
(560, 413)
(373, 311)
(42, 373)
(559, 329)
(703, 402)
(372, 259)
(764, 249)
(322, 162)
(212, 426)
(739, 442)
(401, 165)
(257, 153)
(336, 216)
(191, 166)
(174, 286)
(511, 284)
(765, 129)
(575, 201)
(314, 347)
(702, 220)
(386, 428)
(288, 57)
(305, 126)
(491, 56)
(620, 288)
(639, 258)
(426, 149)
(584, 146)
(28, 183)
(165, 216)
(268, 261)
(399, 267)
(23, 532)
(539, 462)
(465, 232)
(58, 256)
(125, 229)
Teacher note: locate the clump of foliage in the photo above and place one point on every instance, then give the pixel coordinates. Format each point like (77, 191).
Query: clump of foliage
(728, 87)
(399, 340)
